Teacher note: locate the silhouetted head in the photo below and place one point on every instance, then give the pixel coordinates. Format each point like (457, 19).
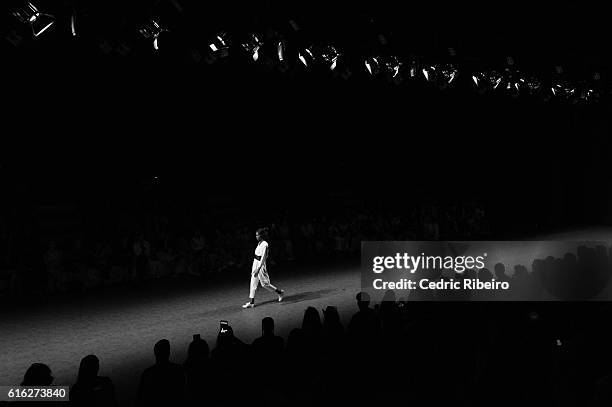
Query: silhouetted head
(38, 374)
(331, 318)
(500, 270)
(363, 300)
(312, 321)
(198, 350)
(267, 326)
(261, 234)
(162, 351)
(88, 370)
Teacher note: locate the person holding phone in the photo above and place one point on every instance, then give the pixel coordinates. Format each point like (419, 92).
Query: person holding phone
(259, 272)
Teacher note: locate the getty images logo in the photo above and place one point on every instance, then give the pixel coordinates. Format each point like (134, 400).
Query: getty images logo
(405, 261)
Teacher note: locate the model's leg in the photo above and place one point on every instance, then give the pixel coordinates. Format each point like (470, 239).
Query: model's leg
(264, 279)
(252, 290)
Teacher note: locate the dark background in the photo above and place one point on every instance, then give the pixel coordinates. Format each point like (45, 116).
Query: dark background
(94, 129)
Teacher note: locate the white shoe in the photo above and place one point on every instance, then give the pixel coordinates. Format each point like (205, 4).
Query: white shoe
(249, 305)
(280, 296)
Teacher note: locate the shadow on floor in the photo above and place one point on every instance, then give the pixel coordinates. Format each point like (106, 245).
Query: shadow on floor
(288, 299)
(305, 296)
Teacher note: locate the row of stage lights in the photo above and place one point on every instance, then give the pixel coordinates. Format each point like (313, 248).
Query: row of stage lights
(379, 64)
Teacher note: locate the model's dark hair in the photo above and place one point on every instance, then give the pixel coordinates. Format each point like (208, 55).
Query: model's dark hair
(263, 232)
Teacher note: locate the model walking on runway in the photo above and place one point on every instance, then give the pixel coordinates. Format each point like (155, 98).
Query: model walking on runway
(259, 272)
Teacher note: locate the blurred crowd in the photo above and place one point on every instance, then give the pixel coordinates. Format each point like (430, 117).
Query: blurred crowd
(159, 247)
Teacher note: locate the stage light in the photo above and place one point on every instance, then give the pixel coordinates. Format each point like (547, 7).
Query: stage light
(480, 80)
(388, 65)
(494, 79)
(413, 68)
(73, 24)
(284, 55)
(372, 65)
(39, 22)
(532, 84)
(306, 56)
(280, 50)
(562, 89)
(447, 75)
(589, 95)
(322, 58)
(252, 45)
(329, 56)
(513, 82)
(153, 30)
(220, 42)
(219, 46)
(429, 72)
(589, 91)
(79, 21)
(487, 81)
(393, 66)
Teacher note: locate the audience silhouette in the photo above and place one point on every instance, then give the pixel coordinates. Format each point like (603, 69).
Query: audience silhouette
(91, 389)
(38, 374)
(268, 346)
(197, 371)
(163, 383)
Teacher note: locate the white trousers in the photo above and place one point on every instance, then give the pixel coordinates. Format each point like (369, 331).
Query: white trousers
(263, 279)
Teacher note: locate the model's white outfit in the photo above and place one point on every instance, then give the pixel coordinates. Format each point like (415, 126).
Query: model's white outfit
(261, 277)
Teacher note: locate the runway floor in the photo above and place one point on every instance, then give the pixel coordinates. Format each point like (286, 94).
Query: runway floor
(121, 326)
